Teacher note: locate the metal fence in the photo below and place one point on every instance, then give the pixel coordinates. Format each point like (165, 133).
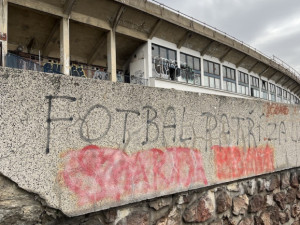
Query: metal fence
(18, 62)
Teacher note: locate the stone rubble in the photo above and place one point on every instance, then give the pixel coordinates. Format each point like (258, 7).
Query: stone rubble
(266, 200)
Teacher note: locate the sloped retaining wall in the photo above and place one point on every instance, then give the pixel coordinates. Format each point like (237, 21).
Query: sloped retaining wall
(84, 145)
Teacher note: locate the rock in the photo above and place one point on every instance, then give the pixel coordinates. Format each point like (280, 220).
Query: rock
(246, 221)
(256, 203)
(294, 180)
(284, 217)
(295, 210)
(258, 220)
(234, 187)
(285, 180)
(269, 200)
(200, 211)
(173, 218)
(260, 185)
(136, 218)
(279, 198)
(272, 183)
(228, 221)
(265, 217)
(182, 199)
(251, 187)
(291, 195)
(216, 222)
(223, 202)
(274, 214)
(110, 215)
(240, 205)
(298, 194)
(160, 203)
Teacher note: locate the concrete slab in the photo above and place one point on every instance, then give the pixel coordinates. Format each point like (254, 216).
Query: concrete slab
(85, 145)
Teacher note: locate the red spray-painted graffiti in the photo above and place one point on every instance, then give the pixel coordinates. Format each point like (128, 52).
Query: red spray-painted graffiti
(234, 162)
(276, 109)
(96, 173)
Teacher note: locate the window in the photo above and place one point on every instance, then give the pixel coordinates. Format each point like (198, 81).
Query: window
(279, 94)
(273, 92)
(211, 74)
(243, 83)
(284, 96)
(229, 79)
(289, 97)
(190, 69)
(264, 89)
(254, 86)
(164, 62)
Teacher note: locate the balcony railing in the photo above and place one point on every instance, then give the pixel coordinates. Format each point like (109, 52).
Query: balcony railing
(18, 62)
(77, 70)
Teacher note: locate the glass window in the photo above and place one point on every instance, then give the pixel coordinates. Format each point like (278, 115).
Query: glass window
(196, 63)
(172, 55)
(155, 51)
(190, 69)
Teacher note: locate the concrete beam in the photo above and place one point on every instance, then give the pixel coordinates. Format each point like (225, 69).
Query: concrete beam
(252, 68)
(65, 46)
(276, 81)
(226, 54)
(3, 30)
(241, 61)
(295, 88)
(286, 82)
(111, 56)
(292, 85)
(184, 39)
(155, 28)
(273, 75)
(203, 52)
(265, 70)
(68, 7)
(118, 17)
(96, 49)
(45, 49)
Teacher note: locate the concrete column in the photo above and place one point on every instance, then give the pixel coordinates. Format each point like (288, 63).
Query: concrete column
(111, 56)
(221, 76)
(3, 28)
(65, 46)
(202, 71)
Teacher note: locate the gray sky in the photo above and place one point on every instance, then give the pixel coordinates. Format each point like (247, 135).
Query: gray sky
(271, 26)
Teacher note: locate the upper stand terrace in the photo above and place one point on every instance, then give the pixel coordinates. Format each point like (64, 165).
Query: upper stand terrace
(139, 42)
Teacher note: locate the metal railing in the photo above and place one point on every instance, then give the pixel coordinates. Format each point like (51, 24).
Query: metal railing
(273, 58)
(18, 62)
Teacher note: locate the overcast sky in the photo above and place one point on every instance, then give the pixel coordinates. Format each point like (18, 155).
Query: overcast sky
(271, 26)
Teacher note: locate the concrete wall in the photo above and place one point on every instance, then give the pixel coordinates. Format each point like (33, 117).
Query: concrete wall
(84, 145)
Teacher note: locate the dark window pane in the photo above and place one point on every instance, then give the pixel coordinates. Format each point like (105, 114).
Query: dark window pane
(196, 64)
(182, 58)
(172, 55)
(210, 67)
(190, 61)
(155, 51)
(217, 69)
(163, 53)
(205, 64)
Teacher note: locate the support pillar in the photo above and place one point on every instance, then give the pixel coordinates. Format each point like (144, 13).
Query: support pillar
(3, 30)
(111, 56)
(65, 46)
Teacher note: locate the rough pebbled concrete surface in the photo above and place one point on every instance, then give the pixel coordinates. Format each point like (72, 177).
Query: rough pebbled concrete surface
(84, 145)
